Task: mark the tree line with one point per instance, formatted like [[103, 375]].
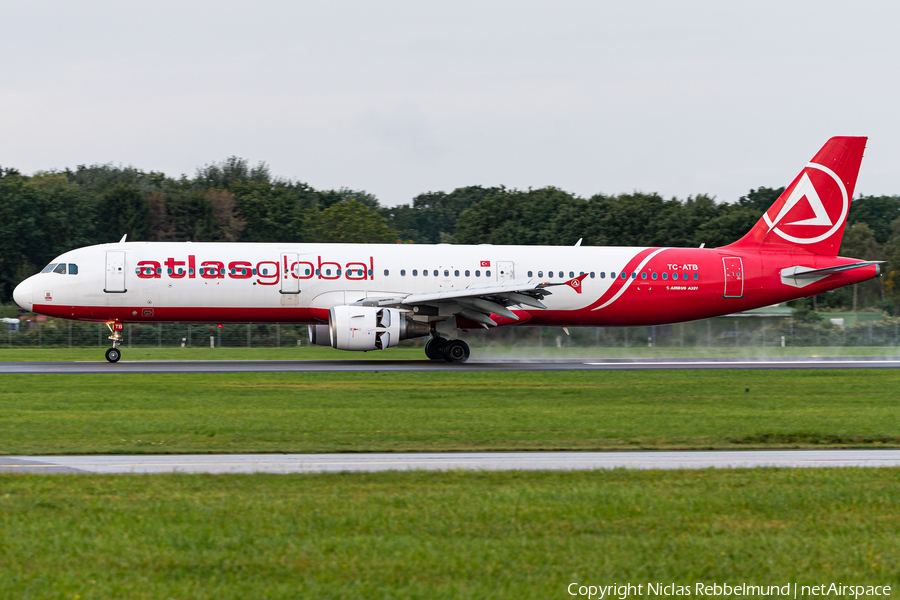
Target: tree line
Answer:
[[50, 212]]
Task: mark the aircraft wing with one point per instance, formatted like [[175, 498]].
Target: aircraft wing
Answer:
[[479, 300]]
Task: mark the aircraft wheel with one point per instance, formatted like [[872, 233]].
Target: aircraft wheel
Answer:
[[456, 351], [113, 355], [434, 348]]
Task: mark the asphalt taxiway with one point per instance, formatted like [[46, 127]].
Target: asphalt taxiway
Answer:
[[486, 461], [407, 366]]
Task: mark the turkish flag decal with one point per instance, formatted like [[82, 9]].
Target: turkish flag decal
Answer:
[[485, 263]]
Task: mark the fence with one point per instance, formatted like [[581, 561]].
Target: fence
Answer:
[[719, 332], [59, 333]]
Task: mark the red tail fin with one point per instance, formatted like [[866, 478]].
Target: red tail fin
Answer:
[[811, 213]]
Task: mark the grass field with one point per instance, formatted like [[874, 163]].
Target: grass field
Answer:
[[442, 535], [406, 353], [454, 411]]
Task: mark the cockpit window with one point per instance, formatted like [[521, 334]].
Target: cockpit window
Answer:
[[49, 268], [73, 269], [60, 268]]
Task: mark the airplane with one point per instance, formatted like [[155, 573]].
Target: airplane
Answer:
[[364, 297]]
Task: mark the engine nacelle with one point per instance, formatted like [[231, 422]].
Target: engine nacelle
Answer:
[[370, 327], [319, 335]]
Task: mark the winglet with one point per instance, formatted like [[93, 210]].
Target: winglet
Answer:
[[575, 284], [122, 241]]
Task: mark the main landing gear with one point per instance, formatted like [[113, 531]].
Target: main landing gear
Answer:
[[114, 354], [452, 351]]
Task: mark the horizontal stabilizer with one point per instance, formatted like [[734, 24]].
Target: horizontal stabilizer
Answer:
[[805, 273]]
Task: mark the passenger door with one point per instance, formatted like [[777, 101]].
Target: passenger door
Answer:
[[734, 277], [290, 273], [115, 272]]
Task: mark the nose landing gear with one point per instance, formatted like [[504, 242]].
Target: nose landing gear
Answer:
[[114, 354]]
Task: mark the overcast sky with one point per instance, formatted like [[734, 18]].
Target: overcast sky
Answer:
[[399, 98]]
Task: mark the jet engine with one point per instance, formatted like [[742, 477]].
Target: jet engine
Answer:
[[366, 328], [318, 335]]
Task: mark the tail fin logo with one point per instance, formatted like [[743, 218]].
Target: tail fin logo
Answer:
[[575, 284], [816, 182]]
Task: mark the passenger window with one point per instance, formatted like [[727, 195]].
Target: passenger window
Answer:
[[468, 273], [540, 273], [190, 271], [318, 272], [338, 273], [612, 274], [665, 275], [169, 271], [477, 273], [307, 272], [424, 272], [643, 276], [602, 274], [370, 272], [696, 276], [592, 274], [402, 272], [435, 272], [60, 268], [446, 273], [456, 273], [633, 275], [159, 270], [571, 274], [49, 268], [386, 272], [624, 275], [487, 273], [327, 271], [654, 275], [529, 273], [685, 276], [415, 272], [73, 269]]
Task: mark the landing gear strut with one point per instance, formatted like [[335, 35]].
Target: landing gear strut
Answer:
[[452, 351], [114, 354]]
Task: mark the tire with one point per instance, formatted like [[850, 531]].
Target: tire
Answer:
[[113, 355], [456, 351], [434, 348]]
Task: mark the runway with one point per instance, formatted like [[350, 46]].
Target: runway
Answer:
[[475, 461], [408, 366]]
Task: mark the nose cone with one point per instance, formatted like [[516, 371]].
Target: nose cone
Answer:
[[23, 294]]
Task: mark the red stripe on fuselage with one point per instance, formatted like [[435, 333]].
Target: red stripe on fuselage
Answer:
[[185, 314], [630, 267]]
